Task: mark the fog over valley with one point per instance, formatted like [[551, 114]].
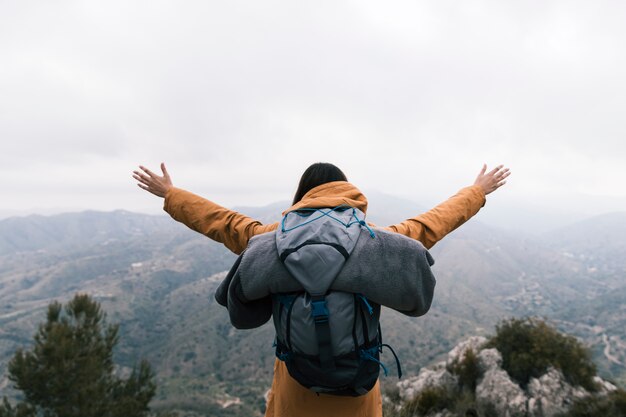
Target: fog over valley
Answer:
[[157, 279]]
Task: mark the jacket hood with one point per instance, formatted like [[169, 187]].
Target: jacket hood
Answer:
[[332, 194]]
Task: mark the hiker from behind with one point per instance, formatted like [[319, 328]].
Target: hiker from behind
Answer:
[[304, 273]]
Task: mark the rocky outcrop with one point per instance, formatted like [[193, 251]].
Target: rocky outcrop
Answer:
[[489, 359], [457, 354], [604, 387], [545, 396], [551, 394], [497, 389], [437, 376]]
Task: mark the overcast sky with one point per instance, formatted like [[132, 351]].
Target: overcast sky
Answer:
[[238, 98]]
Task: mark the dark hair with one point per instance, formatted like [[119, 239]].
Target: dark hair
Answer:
[[317, 174]]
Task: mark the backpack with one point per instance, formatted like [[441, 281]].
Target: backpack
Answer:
[[329, 340]]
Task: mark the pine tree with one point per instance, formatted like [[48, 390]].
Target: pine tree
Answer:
[[69, 372]]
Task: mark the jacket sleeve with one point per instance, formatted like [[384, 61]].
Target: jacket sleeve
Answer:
[[430, 227], [223, 225], [243, 313]]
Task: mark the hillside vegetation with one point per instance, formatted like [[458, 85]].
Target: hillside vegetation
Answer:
[[157, 279], [527, 368], [529, 347]]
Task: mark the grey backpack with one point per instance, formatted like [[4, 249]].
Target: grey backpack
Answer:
[[329, 340]]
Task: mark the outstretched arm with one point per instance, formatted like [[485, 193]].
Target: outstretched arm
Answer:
[[223, 225], [430, 227]]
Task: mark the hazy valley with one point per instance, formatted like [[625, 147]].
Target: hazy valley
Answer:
[[157, 279]]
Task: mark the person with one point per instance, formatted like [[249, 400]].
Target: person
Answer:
[[322, 185]]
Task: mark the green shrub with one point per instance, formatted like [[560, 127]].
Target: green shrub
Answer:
[[467, 370], [612, 405], [433, 400], [467, 406], [428, 401], [529, 346]]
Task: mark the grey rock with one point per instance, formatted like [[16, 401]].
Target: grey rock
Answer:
[[604, 387], [458, 353], [427, 378], [497, 389], [438, 366], [489, 359], [551, 394]]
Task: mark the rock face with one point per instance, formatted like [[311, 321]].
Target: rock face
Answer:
[[497, 389], [457, 354], [489, 359], [437, 376], [605, 387], [551, 394], [545, 396]]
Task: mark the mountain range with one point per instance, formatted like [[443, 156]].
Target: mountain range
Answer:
[[157, 278]]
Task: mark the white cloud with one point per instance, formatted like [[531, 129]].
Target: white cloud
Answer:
[[239, 97]]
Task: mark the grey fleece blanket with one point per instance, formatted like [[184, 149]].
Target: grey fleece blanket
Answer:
[[391, 270]]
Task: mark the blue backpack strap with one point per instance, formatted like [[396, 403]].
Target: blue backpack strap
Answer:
[[366, 303], [393, 352], [319, 311], [399, 368], [285, 299]]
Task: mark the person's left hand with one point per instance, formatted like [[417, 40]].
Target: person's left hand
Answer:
[[153, 183], [493, 179]]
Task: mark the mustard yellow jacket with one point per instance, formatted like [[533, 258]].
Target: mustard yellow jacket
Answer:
[[287, 398]]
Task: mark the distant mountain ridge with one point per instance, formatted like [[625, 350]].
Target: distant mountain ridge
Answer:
[[34, 232], [600, 241], [157, 279]]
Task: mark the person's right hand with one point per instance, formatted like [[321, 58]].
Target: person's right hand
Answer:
[[153, 183]]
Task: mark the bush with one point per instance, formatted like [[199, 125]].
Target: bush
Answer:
[[428, 401], [467, 406], [467, 370], [437, 399], [612, 405], [530, 346]]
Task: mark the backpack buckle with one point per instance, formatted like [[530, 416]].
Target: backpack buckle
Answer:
[[319, 310]]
